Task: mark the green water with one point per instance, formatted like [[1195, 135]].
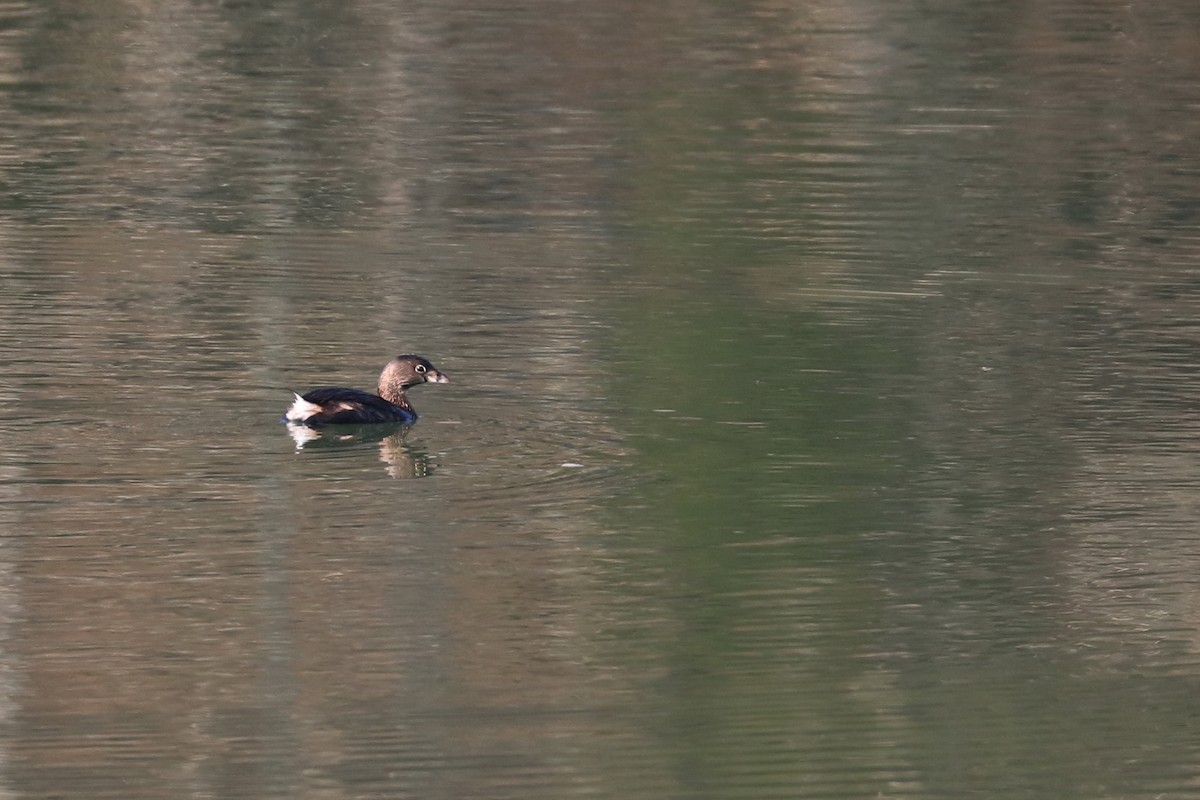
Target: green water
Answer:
[[821, 423]]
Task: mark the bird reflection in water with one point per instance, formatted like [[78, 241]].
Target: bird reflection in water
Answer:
[[402, 460]]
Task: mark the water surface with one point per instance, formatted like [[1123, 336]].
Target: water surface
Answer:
[[822, 419]]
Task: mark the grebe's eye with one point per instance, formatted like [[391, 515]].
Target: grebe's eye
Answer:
[[421, 369]]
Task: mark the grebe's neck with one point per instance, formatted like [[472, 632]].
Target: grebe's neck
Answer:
[[394, 394]]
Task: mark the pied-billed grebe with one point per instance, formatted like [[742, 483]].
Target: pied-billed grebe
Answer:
[[336, 406]]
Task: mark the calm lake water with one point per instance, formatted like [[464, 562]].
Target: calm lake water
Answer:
[[823, 419]]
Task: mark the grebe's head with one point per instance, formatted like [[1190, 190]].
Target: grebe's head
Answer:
[[410, 370]]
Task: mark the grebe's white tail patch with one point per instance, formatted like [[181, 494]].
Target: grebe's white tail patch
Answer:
[[301, 409]]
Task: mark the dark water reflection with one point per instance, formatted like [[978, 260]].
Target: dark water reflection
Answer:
[[823, 420]]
